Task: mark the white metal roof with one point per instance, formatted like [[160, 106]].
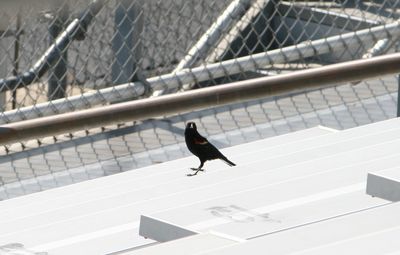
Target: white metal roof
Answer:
[[309, 183]]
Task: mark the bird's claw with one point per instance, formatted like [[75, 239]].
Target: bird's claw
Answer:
[[196, 169]]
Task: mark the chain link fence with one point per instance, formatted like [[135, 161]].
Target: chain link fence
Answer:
[[61, 56]]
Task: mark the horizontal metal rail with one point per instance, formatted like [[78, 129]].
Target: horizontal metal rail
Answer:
[[284, 55], [186, 76], [202, 98]]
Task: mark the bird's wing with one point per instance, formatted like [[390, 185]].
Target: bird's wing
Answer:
[[208, 149], [205, 149], [200, 140]]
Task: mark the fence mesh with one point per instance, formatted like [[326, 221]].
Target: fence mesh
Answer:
[[60, 56]]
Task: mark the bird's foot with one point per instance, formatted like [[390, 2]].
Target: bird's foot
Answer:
[[195, 173], [197, 169]]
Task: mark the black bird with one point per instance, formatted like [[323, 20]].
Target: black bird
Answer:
[[201, 148]]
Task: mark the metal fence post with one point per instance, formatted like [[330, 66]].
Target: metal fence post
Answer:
[[16, 57], [58, 72], [126, 43], [3, 100], [398, 96]]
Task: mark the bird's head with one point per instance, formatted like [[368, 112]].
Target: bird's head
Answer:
[[191, 125]]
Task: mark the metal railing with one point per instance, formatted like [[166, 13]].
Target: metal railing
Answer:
[[165, 47], [173, 80], [294, 82]]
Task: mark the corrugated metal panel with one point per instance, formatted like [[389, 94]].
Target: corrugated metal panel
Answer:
[[303, 181], [189, 245], [328, 235]]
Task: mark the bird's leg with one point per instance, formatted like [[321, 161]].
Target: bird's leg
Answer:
[[197, 169], [195, 172]]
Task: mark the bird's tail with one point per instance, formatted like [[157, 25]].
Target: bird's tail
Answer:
[[230, 163]]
